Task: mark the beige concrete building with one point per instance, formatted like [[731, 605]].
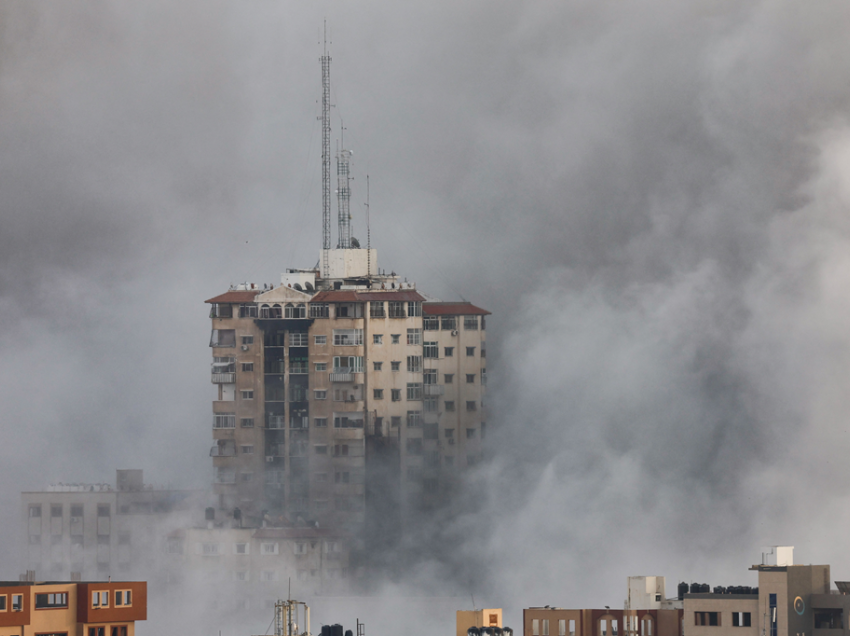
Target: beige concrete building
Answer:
[[331, 393], [93, 531], [790, 600]]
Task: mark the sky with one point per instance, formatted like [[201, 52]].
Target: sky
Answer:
[[651, 198]]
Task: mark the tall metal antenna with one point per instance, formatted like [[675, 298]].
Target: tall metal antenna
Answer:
[[326, 154], [368, 234], [343, 196]]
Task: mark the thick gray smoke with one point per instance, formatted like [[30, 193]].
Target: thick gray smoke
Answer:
[[651, 198]]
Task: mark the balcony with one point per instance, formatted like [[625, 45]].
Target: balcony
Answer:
[[434, 389], [225, 448], [342, 374], [298, 369], [223, 378], [276, 421], [299, 422]]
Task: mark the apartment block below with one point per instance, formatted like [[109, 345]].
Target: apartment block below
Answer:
[[789, 600]]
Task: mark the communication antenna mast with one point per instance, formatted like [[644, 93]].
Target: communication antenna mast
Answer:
[[343, 196], [326, 154], [368, 234]]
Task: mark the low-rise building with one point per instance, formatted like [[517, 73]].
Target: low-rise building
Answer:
[[83, 609]]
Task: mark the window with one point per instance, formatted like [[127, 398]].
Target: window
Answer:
[[471, 406], [376, 309], [545, 627], [431, 323], [429, 405], [414, 336], [431, 350], [240, 575], [395, 365], [562, 627], [247, 366], [247, 395], [321, 366], [321, 449], [76, 511], [449, 433], [247, 449], [535, 627], [711, 619], [448, 378], [320, 394], [414, 309], [395, 421], [348, 364], [378, 394], [377, 366], [320, 422], [448, 351], [320, 340], [741, 619], [298, 339], [378, 338], [223, 338], [470, 323], [348, 337], [247, 311], [209, 549], [414, 364], [349, 310], [396, 309], [291, 310], [348, 420], [241, 548], [448, 323], [414, 419], [56, 510], [342, 477], [414, 390], [224, 420], [17, 602], [470, 378], [341, 450], [484, 380], [247, 340], [103, 510], [395, 395], [470, 433], [269, 575], [396, 338], [268, 548], [319, 310], [221, 310], [449, 405], [429, 376], [246, 422], [470, 352], [45, 601]]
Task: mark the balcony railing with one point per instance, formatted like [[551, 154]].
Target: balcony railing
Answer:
[[298, 369], [338, 375], [223, 378], [223, 451], [276, 421], [434, 389], [300, 422]]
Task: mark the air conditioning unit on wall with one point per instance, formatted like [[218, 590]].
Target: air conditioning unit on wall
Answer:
[[245, 347]]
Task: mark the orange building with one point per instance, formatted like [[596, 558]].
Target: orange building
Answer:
[[71, 609]]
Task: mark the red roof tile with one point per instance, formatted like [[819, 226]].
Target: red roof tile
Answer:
[[453, 309], [352, 296], [235, 297]]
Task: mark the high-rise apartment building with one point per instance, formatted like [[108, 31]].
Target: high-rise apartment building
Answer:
[[334, 389]]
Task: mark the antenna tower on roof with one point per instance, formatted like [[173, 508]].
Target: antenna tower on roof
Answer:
[[343, 194], [326, 154]]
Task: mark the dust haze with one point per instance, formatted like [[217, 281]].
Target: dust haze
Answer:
[[651, 198]]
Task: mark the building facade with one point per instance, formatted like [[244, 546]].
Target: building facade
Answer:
[[76, 609], [94, 531], [334, 392]]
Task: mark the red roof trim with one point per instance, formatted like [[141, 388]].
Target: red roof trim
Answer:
[[453, 309], [351, 296], [235, 297]]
